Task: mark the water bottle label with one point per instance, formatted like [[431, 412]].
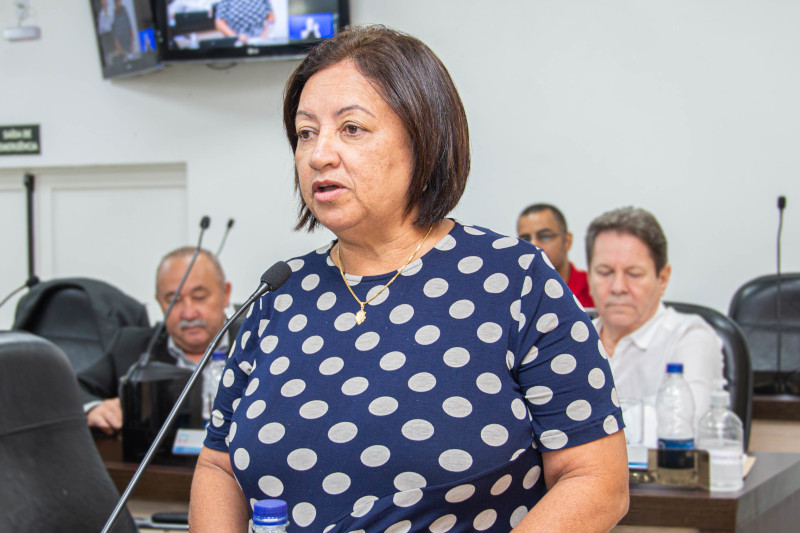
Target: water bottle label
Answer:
[[676, 444], [725, 457]]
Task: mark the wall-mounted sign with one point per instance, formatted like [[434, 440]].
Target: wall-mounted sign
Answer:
[[20, 140]]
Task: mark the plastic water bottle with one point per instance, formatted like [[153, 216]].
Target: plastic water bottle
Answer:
[[675, 411], [211, 378], [721, 433], [269, 516]]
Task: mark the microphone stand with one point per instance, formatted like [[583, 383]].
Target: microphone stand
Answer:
[[225, 236], [29, 181], [145, 357], [271, 280], [782, 383]]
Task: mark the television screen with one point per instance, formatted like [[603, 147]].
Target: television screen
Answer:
[[232, 30], [126, 36]]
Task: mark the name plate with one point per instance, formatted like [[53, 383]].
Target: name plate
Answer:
[[188, 441]]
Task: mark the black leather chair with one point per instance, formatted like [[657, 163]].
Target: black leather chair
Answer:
[[738, 370], [81, 316], [51, 476], [754, 308]]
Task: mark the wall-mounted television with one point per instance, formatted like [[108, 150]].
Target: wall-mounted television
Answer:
[[126, 36], [236, 30]]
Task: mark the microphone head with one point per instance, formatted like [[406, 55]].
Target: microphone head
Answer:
[[230, 223], [205, 222], [781, 202], [33, 280], [276, 275]]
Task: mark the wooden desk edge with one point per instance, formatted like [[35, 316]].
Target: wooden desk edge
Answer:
[[158, 482], [774, 478], [782, 407]]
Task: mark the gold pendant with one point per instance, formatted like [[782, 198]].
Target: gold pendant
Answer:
[[360, 317]]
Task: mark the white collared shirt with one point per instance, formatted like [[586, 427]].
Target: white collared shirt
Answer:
[[181, 361], [640, 360]]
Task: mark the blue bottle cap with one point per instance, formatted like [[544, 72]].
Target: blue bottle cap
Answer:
[[674, 368], [270, 513], [219, 355]]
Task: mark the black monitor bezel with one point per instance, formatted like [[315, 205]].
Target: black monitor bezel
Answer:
[[147, 62]]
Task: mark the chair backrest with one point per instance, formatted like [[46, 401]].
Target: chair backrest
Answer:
[[754, 308], [738, 370], [79, 315], [53, 476]]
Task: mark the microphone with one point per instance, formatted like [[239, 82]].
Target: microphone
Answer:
[[29, 181], [33, 280], [147, 355], [271, 280], [781, 381], [225, 236]]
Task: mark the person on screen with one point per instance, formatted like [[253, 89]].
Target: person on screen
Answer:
[[246, 19], [545, 226], [105, 18], [105, 23], [628, 274], [122, 30], [417, 373], [311, 30], [196, 317]]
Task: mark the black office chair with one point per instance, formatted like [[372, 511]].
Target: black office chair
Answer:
[[79, 315], [738, 370], [53, 478], [754, 308]]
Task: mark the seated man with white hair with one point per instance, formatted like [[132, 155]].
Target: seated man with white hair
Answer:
[[626, 250]]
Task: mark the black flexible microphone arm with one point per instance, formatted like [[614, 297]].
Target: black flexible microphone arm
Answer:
[[271, 280], [225, 236], [147, 355], [33, 280], [781, 385], [29, 181]]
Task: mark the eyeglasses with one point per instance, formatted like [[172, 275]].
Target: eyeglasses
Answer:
[[541, 236]]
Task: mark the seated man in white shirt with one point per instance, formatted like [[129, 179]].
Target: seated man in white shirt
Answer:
[[628, 273]]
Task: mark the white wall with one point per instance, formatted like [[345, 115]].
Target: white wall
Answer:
[[687, 108], [110, 223]]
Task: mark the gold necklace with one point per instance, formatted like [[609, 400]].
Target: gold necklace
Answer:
[[361, 315]]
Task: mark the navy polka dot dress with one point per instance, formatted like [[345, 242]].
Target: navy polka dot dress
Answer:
[[244, 16], [429, 416]]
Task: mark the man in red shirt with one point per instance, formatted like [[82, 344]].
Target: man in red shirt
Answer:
[[544, 225]]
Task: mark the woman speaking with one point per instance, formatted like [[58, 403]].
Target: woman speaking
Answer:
[[418, 373]]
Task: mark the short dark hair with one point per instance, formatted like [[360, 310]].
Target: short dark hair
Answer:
[[187, 252], [417, 87], [536, 208], [632, 221]]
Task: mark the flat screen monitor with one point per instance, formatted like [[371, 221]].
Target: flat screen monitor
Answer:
[[126, 37], [234, 30]]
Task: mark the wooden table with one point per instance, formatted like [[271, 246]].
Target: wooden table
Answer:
[[769, 501], [783, 407], [158, 482], [776, 424]]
